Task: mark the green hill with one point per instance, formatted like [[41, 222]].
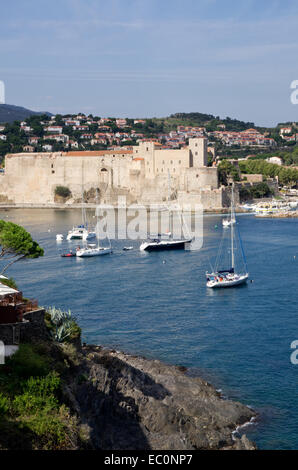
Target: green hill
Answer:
[[10, 113]]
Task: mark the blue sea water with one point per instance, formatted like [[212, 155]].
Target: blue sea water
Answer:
[[158, 305]]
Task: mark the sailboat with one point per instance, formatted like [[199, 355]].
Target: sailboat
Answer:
[[92, 249], [228, 222], [228, 276], [166, 241], [81, 232]]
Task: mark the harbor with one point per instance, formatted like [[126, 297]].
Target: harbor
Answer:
[[234, 338]]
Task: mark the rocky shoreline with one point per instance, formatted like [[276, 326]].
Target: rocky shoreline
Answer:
[[126, 402]]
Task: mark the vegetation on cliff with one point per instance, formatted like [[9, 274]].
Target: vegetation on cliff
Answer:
[[33, 409], [63, 325], [33, 414]]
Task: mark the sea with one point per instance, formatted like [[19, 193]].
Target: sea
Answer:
[[157, 305]]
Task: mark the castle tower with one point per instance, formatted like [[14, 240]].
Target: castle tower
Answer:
[[199, 153], [146, 150], [2, 92]]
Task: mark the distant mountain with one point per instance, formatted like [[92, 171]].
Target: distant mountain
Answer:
[[11, 113]]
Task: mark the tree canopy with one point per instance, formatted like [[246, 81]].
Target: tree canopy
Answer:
[[285, 175], [15, 244], [225, 170]]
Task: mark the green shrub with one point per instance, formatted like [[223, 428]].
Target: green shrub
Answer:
[[51, 428], [260, 190], [256, 191], [4, 405], [38, 394], [244, 194], [66, 327], [26, 362], [62, 191], [32, 415], [9, 282]]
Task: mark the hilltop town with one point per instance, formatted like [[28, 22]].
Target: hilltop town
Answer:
[[80, 132]]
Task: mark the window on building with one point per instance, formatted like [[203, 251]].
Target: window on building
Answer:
[[147, 149], [53, 171], [179, 162], [196, 153]]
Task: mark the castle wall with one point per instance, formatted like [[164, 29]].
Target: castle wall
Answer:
[[207, 198], [198, 178], [141, 175], [32, 178], [172, 161]]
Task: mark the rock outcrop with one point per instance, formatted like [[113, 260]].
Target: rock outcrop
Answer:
[[128, 402]]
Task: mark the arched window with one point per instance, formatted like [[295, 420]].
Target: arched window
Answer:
[[104, 175]]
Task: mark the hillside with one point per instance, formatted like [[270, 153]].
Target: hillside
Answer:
[[209, 121], [10, 113]]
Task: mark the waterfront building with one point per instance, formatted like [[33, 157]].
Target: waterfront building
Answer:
[[141, 173]]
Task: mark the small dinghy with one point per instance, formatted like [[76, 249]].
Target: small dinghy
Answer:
[[59, 237], [68, 255], [128, 248]]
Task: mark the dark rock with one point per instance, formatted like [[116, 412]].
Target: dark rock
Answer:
[[129, 402]]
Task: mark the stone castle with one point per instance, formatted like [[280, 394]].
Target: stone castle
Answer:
[[146, 174]]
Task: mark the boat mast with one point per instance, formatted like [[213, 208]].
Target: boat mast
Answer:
[[232, 226], [96, 211], [168, 199], [83, 202]]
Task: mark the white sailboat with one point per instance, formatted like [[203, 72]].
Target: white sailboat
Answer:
[[228, 276], [228, 222], [81, 232], [94, 250], [166, 241]]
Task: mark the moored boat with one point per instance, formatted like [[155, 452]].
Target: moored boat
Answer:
[[229, 277], [160, 245], [90, 251]]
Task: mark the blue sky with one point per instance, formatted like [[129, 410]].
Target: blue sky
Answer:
[[144, 58]]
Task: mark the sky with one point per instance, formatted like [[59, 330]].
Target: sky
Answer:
[[152, 58]]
